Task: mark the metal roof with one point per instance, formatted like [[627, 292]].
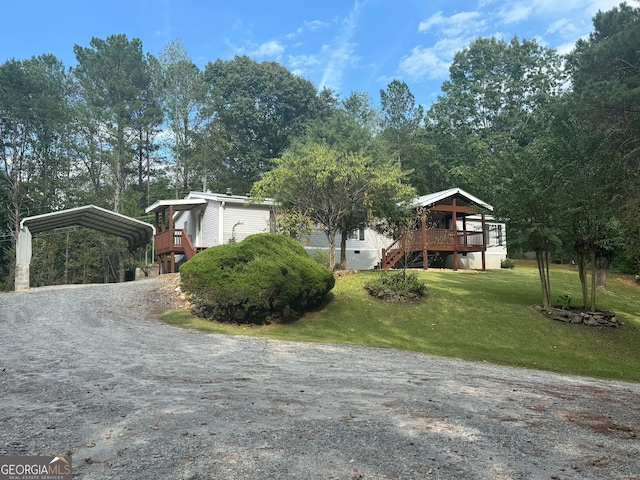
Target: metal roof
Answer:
[[178, 205], [430, 199], [135, 231], [195, 199], [227, 197]]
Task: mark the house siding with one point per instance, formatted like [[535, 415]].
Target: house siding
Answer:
[[361, 254], [241, 221], [210, 224], [496, 246]]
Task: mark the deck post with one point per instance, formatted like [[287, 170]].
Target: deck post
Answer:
[[464, 229], [455, 233], [425, 252], [484, 243]]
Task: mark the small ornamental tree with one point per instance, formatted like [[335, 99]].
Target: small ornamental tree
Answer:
[[261, 279], [336, 190]]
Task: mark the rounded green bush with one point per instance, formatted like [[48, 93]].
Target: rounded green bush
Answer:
[[265, 277]]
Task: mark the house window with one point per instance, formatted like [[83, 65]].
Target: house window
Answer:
[[357, 234], [495, 235]]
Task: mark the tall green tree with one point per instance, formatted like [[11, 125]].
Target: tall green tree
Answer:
[[347, 132], [493, 103], [605, 76], [260, 108], [181, 89], [529, 189], [400, 118], [114, 75], [34, 113], [589, 197]]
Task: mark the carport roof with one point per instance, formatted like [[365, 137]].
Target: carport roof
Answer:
[[136, 232]]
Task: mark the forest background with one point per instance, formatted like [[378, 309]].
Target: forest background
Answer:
[[551, 141]]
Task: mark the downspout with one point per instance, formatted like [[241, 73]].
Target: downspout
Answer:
[[221, 222]]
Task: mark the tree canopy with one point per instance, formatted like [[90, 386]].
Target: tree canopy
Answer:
[[333, 188], [516, 124]]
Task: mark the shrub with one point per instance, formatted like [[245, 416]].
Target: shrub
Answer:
[[507, 263], [398, 286], [263, 278]]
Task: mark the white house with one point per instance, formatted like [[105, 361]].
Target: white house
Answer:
[[453, 233], [205, 219]]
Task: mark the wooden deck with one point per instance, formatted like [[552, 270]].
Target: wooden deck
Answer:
[[433, 240], [170, 243], [174, 241]]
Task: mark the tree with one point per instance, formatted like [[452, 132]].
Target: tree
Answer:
[[114, 75], [347, 132], [260, 108], [605, 74], [358, 106], [330, 186], [528, 191], [34, 114], [589, 198], [400, 117], [494, 102], [181, 89]]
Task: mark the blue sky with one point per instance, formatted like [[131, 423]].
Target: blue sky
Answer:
[[346, 45]]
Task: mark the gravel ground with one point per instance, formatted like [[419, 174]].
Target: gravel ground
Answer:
[[88, 371]]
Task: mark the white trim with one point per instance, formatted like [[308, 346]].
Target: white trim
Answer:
[[221, 222], [178, 205], [432, 198]]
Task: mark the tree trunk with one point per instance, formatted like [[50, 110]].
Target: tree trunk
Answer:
[[601, 272], [592, 306], [343, 249], [582, 274], [331, 236], [542, 259]]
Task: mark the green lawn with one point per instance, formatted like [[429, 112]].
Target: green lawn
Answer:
[[482, 316]]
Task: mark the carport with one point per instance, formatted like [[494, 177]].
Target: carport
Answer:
[[136, 232]]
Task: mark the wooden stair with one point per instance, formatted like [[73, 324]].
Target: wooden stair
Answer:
[[391, 255]]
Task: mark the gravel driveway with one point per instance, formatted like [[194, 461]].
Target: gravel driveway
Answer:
[[88, 371]]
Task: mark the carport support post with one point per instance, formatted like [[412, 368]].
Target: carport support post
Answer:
[[23, 259]]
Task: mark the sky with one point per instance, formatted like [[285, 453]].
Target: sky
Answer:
[[346, 45]]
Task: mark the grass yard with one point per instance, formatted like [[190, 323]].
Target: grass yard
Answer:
[[482, 316]]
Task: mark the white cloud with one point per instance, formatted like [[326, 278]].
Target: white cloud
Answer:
[[561, 25], [455, 32], [432, 62], [515, 13], [271, 48], [315, 25], [341, 52], [455, 25], [424, 62], [302, 61], [565, 48], [434, 20]]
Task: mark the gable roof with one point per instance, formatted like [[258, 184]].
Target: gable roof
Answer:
[[433, 198], [135, 231]]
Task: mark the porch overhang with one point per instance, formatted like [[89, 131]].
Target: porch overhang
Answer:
[[177, 204]]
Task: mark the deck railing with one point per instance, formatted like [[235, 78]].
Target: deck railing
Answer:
[[176, 241], [433, 239]]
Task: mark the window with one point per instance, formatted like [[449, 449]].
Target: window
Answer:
[[357, 234], [495, 235]]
